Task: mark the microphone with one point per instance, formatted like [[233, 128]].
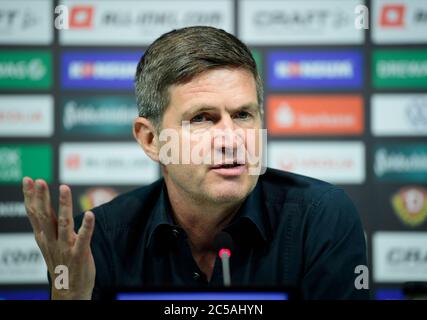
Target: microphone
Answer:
[[223, 244]]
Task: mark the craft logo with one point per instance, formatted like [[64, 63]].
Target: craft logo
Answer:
[[332, 114], [26, 22], [12, 19], [302, 69], [410, 205], [299, 22], [407, 256], [399, 256]]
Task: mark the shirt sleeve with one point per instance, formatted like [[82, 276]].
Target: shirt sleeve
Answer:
[[334, 246]]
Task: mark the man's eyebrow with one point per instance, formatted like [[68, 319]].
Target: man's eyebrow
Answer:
[[204, 107], [197, 109], [249, 106]]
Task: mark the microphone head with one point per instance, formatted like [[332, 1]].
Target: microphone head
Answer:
[[223, 240]]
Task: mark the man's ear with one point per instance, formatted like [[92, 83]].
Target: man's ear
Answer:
[[146, 135]]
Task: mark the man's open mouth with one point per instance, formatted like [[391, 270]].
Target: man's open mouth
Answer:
[[227, 166]]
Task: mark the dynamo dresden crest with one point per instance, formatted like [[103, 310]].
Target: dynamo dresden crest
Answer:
[[410, 205]]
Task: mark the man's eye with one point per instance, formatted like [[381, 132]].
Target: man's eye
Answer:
[[243, 115], [198, 118]]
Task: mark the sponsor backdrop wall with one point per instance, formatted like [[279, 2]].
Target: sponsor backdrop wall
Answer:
[[342, 104]]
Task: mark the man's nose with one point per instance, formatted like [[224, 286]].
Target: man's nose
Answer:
[[225, 135], [226, 123]]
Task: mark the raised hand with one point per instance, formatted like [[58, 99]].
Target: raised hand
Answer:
[[57, 240]]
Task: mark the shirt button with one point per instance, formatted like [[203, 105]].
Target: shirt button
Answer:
[[196, 276], [175, 233]]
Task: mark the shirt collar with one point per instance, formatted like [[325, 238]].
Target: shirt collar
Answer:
[[161, 217], [252, 211]]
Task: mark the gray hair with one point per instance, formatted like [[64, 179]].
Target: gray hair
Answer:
[[178, 56]]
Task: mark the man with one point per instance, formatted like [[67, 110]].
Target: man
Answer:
[[288, 230]]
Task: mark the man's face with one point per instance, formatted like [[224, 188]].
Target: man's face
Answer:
[[220, 113]]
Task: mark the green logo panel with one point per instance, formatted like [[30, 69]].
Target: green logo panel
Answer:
[[99, 115], [401, 162], [399, 69], [25, 70], [17, 161]]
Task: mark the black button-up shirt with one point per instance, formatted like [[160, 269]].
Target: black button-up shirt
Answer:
[[291, 231]]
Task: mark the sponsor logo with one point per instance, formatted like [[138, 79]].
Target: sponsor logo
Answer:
[[399, 114], [26, 22], [335, 162], [139, 23], [94, 197], [99, 115], [29, 115], [293, 70], [400, 22], [105, 163], [17, 161], [25, 70], [81, 17], [295, 22], [330, 114], [12, 209], [400, 256], [392, 15], [21, 260], [112, 70], [410, 205], [401, 162], [400, 69]]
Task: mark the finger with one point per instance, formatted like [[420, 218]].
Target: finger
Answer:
[[65, 215], [43, 209], [85, 232], [29, 194]]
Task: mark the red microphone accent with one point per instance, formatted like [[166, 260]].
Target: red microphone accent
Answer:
[[224, 251]]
